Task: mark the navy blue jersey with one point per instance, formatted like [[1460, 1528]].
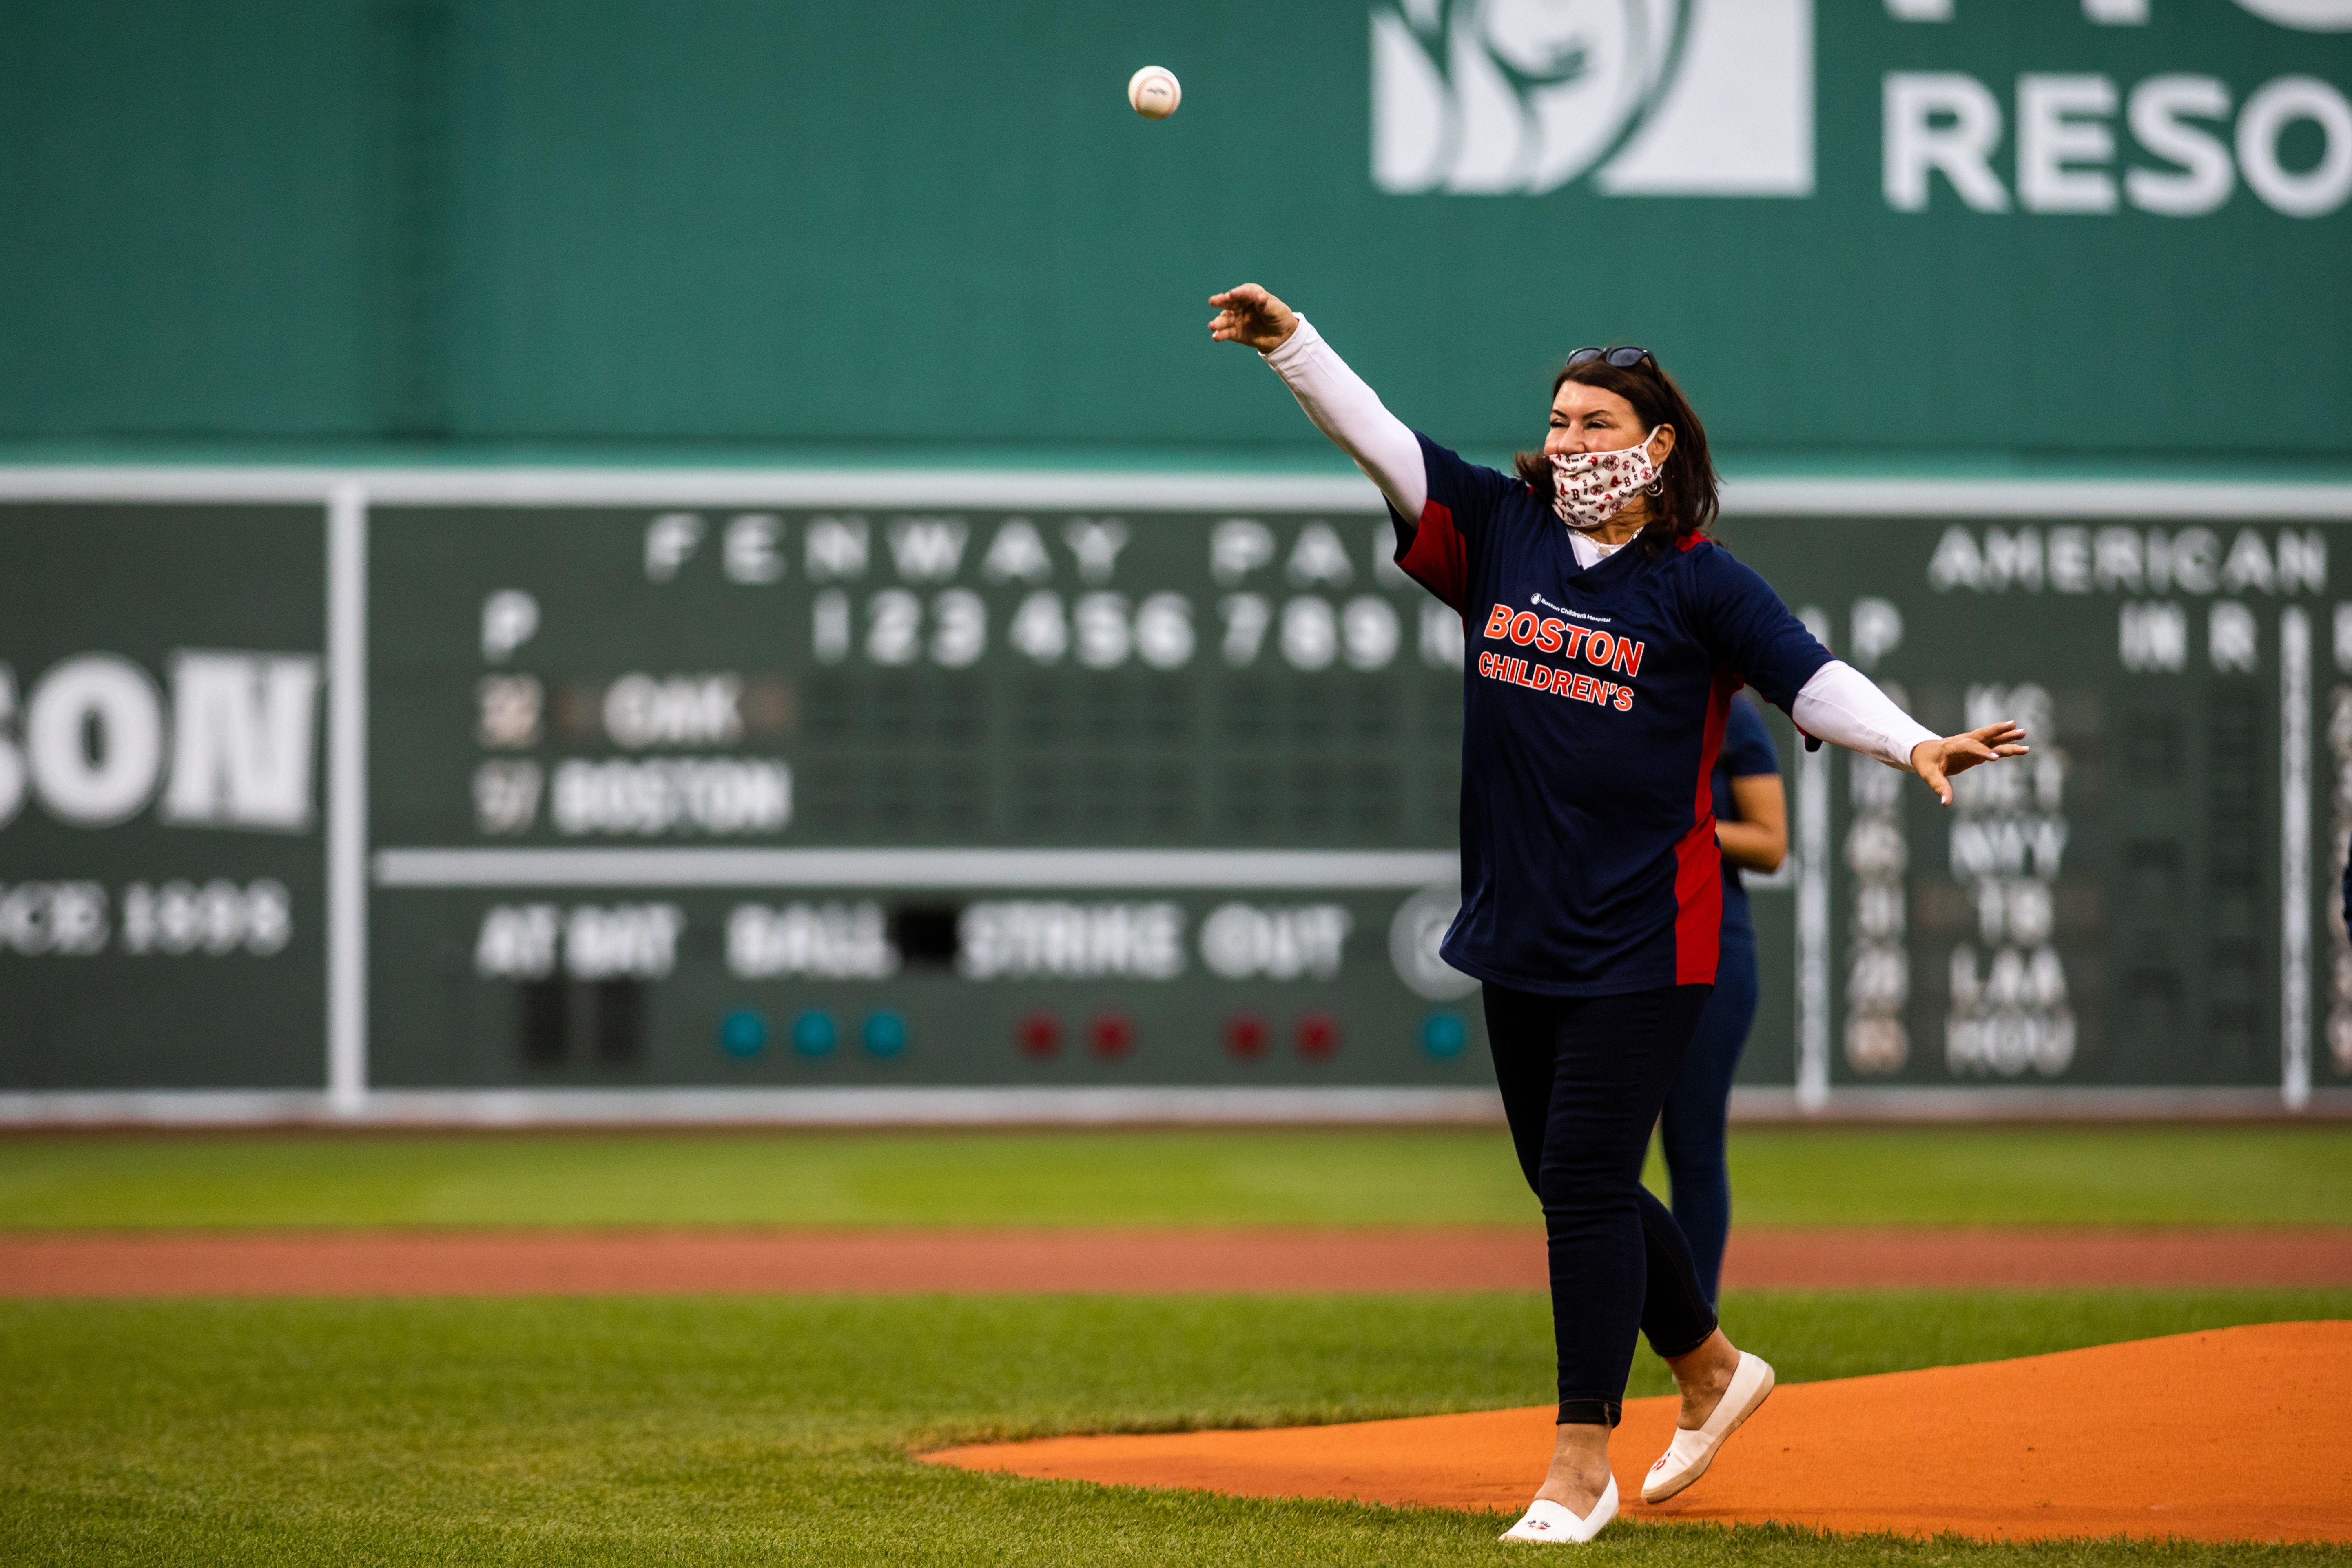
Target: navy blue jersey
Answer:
[[1594, 703], [1748, 752]]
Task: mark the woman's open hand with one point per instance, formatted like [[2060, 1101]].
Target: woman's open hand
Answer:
[[1250, 315], [1937, 761]]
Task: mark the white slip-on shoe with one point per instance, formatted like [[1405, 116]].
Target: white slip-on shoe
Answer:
[[1548, 1521], [1688, 1455]]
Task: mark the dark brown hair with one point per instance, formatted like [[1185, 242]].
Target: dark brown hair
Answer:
[[1687, 499]]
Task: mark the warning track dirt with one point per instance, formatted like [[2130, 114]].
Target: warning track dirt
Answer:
[[1156, 1260]]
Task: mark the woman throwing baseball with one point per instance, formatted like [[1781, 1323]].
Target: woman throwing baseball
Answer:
[[1607, 634]]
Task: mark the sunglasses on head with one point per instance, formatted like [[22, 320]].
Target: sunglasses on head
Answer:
[[1623, 359]]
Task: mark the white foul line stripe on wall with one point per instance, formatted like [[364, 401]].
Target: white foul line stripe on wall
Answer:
[[1789, 496], [957, 869], [1141, 489], [902, 1106], [808, 1105]]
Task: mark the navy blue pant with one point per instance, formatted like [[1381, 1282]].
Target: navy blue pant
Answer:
[[1584, 1079], [1696, 1108]]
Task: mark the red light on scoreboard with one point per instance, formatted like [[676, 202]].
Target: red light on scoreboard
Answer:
[[1317, 1037], [1248, 1037], [1039, 1035], [1111, 1036]]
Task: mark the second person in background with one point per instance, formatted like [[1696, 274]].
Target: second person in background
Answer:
[[1751, 824]]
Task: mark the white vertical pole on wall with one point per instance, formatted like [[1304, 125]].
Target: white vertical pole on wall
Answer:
[[1813, 929], [1813, 910], [347, 800], [2294, 858]]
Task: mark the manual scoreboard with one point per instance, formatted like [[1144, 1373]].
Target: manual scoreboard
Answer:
[[863, 795], [734, 783]]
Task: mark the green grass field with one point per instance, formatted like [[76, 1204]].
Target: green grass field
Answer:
[[739, 1431], [763, 1430], [2256, 1175]]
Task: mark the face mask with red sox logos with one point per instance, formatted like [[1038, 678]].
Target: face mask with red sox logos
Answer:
[[1591, 488]]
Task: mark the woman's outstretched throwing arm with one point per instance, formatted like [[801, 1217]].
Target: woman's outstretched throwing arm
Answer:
[[1334, 396]]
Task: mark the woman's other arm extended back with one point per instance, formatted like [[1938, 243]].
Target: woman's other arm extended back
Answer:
[[1757, 635]]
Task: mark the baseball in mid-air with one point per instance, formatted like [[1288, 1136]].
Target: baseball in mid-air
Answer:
[[1154, 92]]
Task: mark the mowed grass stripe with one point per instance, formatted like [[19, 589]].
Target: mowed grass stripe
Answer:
[[2248, 1174], [727, 1431]]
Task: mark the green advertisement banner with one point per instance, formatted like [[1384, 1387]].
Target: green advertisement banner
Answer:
[[162, 890], [1891, 231]]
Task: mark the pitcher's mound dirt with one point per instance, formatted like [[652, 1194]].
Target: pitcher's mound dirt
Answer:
[[2232, 1435]]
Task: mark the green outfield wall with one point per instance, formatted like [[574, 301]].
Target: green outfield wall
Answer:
[[2079, 230], [688, 555]]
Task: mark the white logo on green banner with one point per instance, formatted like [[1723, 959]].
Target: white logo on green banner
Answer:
[[1652, 97], [1715, 97]]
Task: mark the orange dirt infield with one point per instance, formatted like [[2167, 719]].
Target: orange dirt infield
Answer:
[[412, 1263], [2231, 1435]]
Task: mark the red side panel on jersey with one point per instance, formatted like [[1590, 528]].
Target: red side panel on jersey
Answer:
[[1436, 559], [1698, 861], [1698, 899]]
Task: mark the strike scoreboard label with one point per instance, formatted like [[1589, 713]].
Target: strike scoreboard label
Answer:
[[710, 795]]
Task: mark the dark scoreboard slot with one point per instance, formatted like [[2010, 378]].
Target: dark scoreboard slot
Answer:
[[926, 935], [569, 1023]]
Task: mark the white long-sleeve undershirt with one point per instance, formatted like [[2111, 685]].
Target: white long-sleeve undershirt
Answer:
[[1353, 415], [1844, 706], [1840, 703]]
